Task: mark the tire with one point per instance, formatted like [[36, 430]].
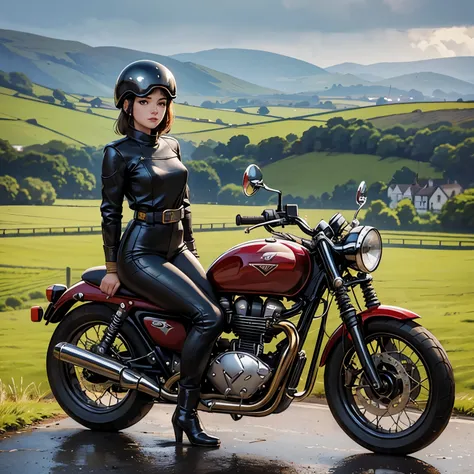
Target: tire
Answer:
[[440, 400], [133, 407]]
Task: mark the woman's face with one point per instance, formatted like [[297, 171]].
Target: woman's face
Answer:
[[148, 112]]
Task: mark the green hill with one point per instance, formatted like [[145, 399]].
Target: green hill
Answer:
[[269, 69], [427, 82], [28, 120], [459, 117], [318, 172], [461, 67], [77, 67]]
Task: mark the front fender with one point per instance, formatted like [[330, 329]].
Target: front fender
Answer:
[[383, 311]]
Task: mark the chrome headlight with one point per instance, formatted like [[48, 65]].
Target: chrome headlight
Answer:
[[363, 248]]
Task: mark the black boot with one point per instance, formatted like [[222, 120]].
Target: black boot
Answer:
[[185, 418]]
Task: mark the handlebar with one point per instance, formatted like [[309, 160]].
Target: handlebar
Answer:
[[249, 220]]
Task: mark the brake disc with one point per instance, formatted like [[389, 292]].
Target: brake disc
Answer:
[[389, 406]]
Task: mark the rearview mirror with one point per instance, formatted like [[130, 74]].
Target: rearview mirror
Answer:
[[252, 181], [361, 195]]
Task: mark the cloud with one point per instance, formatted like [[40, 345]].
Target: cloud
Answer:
[[458, 41]]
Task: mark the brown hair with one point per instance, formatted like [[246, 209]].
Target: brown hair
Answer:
[[125, 120]]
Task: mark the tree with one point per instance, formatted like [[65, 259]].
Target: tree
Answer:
[[360, 138], [442, 156], [389, 146], [379, 215], [291, 137], [461, 167], [204, 183], [79, 183], [58, 94], [406, 212], [403, 176], [335, 121], [271, 149], [340, 138], [203, 152], [230, 194], [221, 150], [422, 147], [343, 195], [41, 192], [226, 170], [377, 191], [8, 189], [236, 145], [458, 212], [381, 101], [78, 157], [373, 142], [21, 83], [263, 110]]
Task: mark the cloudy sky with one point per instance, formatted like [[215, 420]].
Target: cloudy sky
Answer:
[[324, 32]]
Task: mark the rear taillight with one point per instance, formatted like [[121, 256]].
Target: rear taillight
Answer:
[[54, 292], [36, 314]]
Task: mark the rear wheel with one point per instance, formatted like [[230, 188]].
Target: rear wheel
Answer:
[[90, 399], [416, 409]]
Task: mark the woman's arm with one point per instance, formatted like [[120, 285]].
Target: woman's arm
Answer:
[[113, 179], [187, 219]]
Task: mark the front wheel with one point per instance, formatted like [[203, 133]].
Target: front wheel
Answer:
[[416, 408], [91, 399]]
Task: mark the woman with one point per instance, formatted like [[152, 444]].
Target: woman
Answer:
[[156, 257]]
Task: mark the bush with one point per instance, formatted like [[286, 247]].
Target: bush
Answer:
[[47, 98], [36, 295], [13, 302]]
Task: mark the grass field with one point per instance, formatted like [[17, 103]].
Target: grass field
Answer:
[[78, 127], [436, 284], [456, 117], [288, 112], [318, 172], [374, 111]]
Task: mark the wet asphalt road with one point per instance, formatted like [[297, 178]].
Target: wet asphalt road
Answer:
[[304, 439]]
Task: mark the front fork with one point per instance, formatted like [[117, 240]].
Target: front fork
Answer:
[[349, 315]]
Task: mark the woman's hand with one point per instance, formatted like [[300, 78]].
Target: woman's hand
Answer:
[[110, 284]]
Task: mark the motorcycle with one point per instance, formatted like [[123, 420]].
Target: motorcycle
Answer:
[[388, 381]]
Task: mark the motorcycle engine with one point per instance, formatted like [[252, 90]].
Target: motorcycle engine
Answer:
[[240, 372]]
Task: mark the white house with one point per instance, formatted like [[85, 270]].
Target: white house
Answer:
[[430, 198], [397, 192]]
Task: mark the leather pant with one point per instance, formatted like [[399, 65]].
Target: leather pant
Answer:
[[171, 277]]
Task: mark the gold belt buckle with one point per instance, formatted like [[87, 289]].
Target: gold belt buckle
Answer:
[[164, 220], [141, 215]]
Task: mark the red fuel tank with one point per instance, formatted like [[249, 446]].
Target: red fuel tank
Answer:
[[263, 266]]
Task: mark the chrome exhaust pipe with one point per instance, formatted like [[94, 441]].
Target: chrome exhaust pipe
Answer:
[[113, 370]]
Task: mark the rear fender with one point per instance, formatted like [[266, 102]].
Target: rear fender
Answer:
[[381, 311], [86, 292]]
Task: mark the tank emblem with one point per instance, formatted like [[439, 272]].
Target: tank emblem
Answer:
[[267, 256], [163, 326], [264, 268]]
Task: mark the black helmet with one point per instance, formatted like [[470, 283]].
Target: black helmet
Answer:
[[140, 77]]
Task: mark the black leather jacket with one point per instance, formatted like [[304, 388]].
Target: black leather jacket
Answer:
[[128, 170]]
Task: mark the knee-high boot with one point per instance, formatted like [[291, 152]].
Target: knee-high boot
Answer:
[[185, 418]]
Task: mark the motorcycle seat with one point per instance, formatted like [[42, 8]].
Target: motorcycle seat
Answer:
[[94, 276]]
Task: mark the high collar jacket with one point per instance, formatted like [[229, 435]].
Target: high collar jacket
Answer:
[[149, 173]]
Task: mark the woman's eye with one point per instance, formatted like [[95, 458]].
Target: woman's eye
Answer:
[[143, 102]]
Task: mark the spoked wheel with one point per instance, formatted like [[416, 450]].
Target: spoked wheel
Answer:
[[95, 391], [416, 403], [89, 398]]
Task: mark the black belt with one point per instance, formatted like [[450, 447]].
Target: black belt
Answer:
[[168, 216]]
